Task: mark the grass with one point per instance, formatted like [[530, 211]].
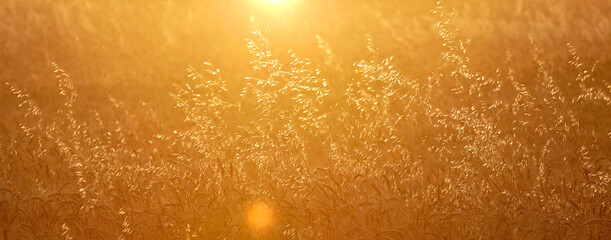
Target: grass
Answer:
[[387, 120]]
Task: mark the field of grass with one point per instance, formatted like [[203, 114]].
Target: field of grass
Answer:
[[305, 119]]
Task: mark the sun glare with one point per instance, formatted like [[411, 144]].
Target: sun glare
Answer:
[[274, 1], [259, 216]]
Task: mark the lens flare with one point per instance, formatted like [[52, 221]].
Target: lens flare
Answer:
[[259, 216]]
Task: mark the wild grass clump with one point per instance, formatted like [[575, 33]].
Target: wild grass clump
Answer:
[[322, 150]]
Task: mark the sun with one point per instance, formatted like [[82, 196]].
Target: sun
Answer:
[[274, 1], [259, 216]]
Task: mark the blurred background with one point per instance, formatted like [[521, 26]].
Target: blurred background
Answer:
[[135, 50]]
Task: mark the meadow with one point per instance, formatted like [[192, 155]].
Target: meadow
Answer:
[[305, 119]]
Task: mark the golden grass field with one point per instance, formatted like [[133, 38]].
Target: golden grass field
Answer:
[[305, 119]]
